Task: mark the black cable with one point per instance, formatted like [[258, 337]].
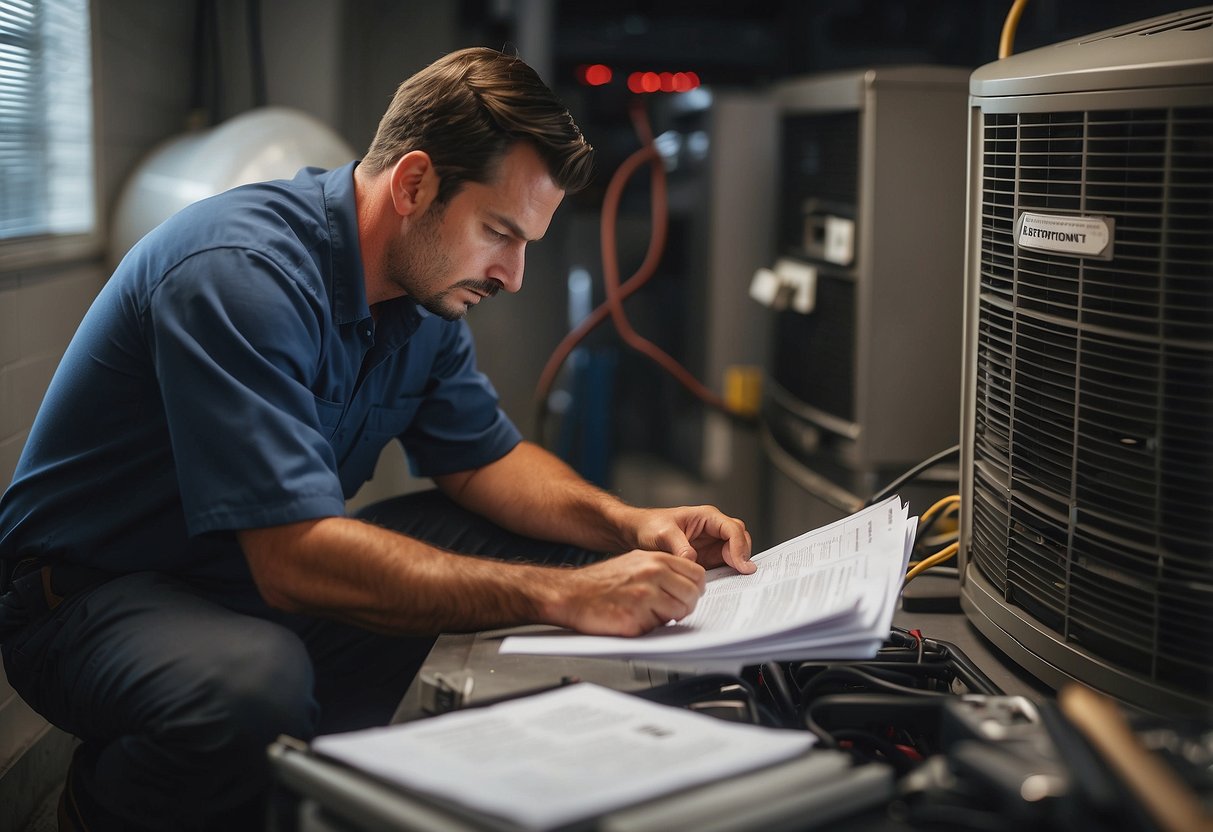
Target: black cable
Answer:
[[969, 673], [872, 712], [926, 464], [216, 62], [902, 637], [777, 684], [909, 677], [197, 87], [920, 534], [256, 53], [889, 752], [844, 673], [962, 667], [904, 665], [205, 93], [824, 737], [902, 654]]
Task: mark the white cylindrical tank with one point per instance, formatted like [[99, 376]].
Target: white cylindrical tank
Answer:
[[261, 144]]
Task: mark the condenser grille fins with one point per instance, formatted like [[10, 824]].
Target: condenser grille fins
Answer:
[[1093, 432], [1190, 21]]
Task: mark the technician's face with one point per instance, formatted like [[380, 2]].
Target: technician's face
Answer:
[[455, 254]]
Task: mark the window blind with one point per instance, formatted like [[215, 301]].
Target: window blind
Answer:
[[46, 120]]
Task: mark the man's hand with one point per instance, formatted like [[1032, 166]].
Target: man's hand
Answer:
[[557, 504], [627, 595], [698, 533]]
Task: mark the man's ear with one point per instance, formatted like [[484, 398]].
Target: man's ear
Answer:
[[414, 183]]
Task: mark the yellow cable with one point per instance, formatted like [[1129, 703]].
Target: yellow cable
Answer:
[[944, 504], [944, 554], [939, 506], [934, 560], [1006, 43]]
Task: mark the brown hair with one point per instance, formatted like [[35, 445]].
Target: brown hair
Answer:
[[467, 109]]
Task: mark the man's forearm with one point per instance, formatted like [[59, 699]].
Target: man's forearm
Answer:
[[346, 569], [376, 578]]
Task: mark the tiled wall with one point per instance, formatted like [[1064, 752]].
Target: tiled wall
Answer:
[[37, 319]]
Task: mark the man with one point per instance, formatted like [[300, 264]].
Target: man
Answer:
[[181, 583]]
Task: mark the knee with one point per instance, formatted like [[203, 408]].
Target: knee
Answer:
[[260, 687]]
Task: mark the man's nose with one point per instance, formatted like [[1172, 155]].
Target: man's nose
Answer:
[[508, 269]]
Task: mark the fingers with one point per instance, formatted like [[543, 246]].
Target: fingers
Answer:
[[672, 539], [674, 586], [634, 593], [711, 529], [738, 548], [689, 572]]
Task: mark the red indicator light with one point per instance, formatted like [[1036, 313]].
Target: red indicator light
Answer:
[[594, 75], [644, 82]]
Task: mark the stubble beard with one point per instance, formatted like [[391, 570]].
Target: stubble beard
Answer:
[[418, 264]]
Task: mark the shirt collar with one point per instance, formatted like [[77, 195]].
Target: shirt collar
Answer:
[[348, 275], [348, 278]]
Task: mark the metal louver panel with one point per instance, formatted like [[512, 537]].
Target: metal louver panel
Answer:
[[1092, 497], [1190, 21]]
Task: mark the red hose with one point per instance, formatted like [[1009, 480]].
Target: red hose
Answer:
[[617, 293]]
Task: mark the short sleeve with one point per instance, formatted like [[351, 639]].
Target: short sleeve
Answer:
[[234, 339]]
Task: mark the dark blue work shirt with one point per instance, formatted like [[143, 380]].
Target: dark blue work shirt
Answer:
[[230, 376]]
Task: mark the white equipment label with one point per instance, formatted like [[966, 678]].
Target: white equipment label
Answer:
[[1078, 236]]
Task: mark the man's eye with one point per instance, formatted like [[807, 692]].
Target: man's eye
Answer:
[[494, 233]]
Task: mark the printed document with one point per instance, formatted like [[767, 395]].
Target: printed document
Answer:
[[829, 593], [547, 760]]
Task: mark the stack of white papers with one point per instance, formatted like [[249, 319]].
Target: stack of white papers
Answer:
[[827, 594], [547, 760]]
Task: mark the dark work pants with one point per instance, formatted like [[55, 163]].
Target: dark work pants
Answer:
[[176, 695]]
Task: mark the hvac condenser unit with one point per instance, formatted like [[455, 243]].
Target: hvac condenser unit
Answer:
[[1087, 431]]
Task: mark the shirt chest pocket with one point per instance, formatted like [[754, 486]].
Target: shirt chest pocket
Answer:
[[361, 447], [328, 414]]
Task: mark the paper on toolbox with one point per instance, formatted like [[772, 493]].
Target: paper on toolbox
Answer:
[[830, 592], [547, 760]]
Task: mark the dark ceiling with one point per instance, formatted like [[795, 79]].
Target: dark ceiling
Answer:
[[755, 42]]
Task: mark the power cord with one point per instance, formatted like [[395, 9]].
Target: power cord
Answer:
[[928, 463]]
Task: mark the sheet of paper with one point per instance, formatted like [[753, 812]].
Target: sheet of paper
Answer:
[[550, 759], [868, 628], [805, 644], [836, 584]]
